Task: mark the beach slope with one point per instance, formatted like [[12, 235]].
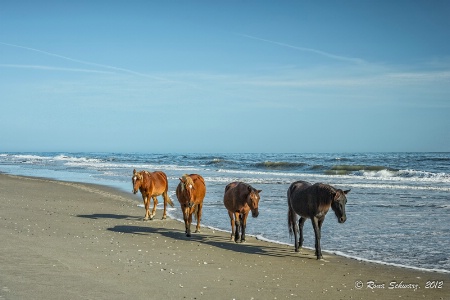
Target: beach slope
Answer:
[[62, 240]]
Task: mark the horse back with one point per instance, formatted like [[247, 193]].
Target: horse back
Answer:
[[302, 198], [199, 187], [155, 183], [298, 186], [235, 195]]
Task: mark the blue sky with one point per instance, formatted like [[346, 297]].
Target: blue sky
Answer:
[[225, 76]]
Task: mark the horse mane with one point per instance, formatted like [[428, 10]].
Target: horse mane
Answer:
[[327, 191], [187, 180], [143, 172], [249, 187]]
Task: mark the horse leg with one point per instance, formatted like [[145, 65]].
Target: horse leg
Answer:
[[237, 222], [155, 202], [315, 223], [243, 226], [199, 216], [165, 206], [146, 205], [320, 234], [230, 214], [189, 210], [187, 223], [301, 222]]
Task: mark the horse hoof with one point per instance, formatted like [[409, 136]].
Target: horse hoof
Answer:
[[242, 241], [197, 231], [163, 218], [188, 234]]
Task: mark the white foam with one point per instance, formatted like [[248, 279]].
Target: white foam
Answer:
[[339, 253], [386, 263], [29, 157]]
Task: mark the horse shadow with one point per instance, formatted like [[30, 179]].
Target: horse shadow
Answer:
[[218, 241], [222, 242], [109, 216]]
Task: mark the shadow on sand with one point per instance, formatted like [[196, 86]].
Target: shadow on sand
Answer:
[[109, 216], [219, 241]]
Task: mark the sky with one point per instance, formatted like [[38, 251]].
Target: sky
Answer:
[[225, 76]]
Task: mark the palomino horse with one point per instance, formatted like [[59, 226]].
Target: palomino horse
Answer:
[[151, 185], [312, 201], [190, 193], [239, 199]]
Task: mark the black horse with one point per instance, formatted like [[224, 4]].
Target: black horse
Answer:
[[312, 201]]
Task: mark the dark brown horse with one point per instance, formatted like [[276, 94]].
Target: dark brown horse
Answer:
[[312, 201], [239, 199], [151, 185], [190, 193]]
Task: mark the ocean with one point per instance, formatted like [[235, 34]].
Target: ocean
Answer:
[[397, 211]]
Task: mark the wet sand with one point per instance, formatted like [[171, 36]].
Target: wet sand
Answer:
[[63, 240]]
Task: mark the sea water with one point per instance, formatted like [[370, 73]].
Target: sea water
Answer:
[[397, 210]]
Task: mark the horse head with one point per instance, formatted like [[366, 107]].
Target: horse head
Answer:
[[253, 201], [338, 205], [187, 187], [137, 180]]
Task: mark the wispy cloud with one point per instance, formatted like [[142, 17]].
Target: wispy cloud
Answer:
[[431, 76], [367, 80], [49, 68], [113, 68], [315, 51]]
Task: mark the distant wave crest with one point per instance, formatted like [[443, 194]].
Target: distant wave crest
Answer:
[[357, 169], [279, 165], [384, 172]]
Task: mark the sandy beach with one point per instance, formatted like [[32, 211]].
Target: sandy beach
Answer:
[[64, 240]]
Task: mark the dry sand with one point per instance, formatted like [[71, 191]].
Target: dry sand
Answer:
[[64, 240]]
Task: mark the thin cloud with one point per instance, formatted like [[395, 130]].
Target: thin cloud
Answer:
[[48, 68], [422, 76], [319, 52], [86, 62]]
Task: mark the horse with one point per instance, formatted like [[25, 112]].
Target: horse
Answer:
[[151, 185], [190, 193], [240, 198], [312, 201]]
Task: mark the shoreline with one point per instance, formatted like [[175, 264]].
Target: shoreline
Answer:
[[77, 240], [329, 252]]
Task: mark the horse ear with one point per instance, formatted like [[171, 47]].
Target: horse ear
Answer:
[[337, 195], [180, 179], [347, 191], [259, 191], [134, 171]]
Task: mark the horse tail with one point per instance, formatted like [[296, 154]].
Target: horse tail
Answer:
[[169, 201], [167, 198], [196, 210], [292, 216]]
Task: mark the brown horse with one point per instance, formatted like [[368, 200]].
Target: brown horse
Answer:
[[313, 202], [239, 199], [190, 193], [151, 185]]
